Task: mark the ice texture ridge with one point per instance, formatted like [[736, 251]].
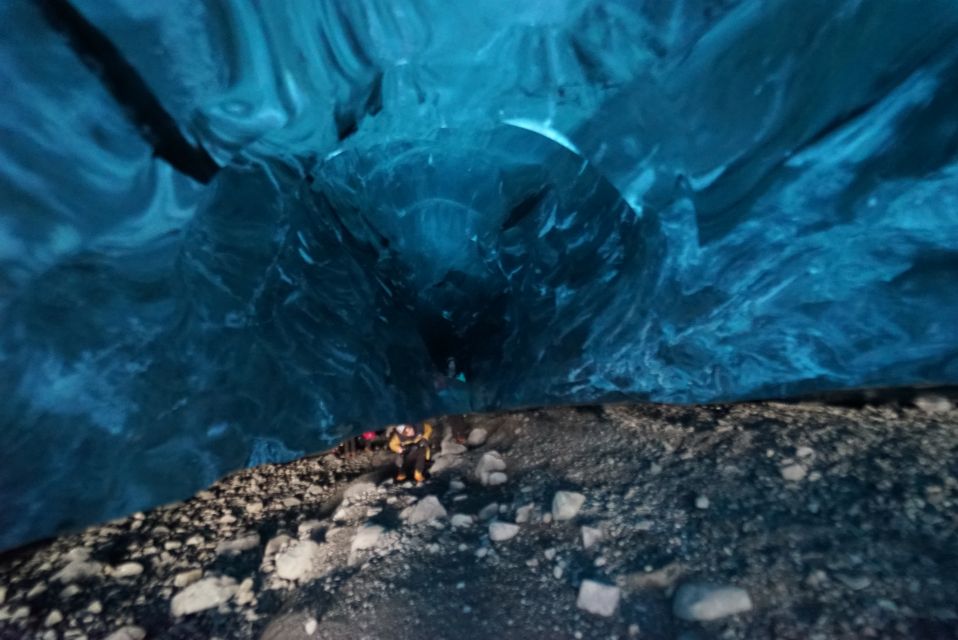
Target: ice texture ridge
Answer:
[[233, 232]]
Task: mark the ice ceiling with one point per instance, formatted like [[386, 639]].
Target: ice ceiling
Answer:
[[234, 231]]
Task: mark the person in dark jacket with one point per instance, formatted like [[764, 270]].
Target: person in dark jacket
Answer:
[[410, 443]]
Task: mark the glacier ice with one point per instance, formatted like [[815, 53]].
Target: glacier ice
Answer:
[[575, 200]]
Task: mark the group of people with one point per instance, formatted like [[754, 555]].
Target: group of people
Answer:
[[409, 441]]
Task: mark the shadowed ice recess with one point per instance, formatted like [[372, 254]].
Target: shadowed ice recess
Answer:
[[577, 200]]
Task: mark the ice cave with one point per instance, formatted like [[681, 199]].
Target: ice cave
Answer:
[[235, 232]]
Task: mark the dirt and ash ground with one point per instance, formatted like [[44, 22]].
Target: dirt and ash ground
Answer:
[[753, 520]]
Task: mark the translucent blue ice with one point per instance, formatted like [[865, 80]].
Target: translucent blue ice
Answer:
[[574, 200]]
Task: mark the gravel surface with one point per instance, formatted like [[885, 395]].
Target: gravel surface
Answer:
[[761, 520]]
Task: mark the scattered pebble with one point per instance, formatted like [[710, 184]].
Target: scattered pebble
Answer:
[[566, 504], [597, 598], [501, 531], [793, 472], [702, 602]]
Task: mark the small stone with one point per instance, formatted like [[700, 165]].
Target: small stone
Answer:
[[524, 514], [547, 518], [291, 502], [557, 573], [186, 578], [930, 403], [590, 536], [238, 545], [95, 607], [502, 531], [54, 618], [452, 448], [805, 452], [3, 594], [306, 529], [38, 589], [550, 554], [490, 463], [477, 437], [310, 626], [366, 537], [78, 569], [633, 630], [793, 472], [461, 520], [489, 511], [702, 502], [566, 504], [855, 583], [254, 508], [456, 485], [703, 602], [20, 613], [357, 490], [205, 594], [429, 508], [597, 598], [298, 560], [496, 478], [128, 570], [195, 541], [69, 591], [129, 632], [172, 545]]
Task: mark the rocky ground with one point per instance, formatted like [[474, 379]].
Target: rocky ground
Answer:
[[754, 520]]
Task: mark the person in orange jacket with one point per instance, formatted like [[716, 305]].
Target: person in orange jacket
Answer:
[[410, 443]]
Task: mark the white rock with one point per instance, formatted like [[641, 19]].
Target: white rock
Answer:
[[703, 602], [477, 437], [597, 598], [205, 594], [68, 592], [238, 545], [77, 570], [429, 508], [452, 448], [566, 504], [306, 529], [702, 502], [549, 553], [3, 594], [54, 618], [186, 578], [524, 514], [496, 478], [461, 520], [95, 607], [456, 485], [366, 537], [298, 561], [490, 462], [310, 626], [501, 531], [129, 632], [254, 508], [805, 452], [930, 403], [276, 544], [489, 511], [358, 490], [590, 536], [793, 472], [128, 570]]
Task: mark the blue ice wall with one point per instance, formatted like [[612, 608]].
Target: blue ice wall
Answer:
[[575, 200]]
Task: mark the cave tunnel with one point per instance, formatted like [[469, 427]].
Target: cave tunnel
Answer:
[[233, 233]]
